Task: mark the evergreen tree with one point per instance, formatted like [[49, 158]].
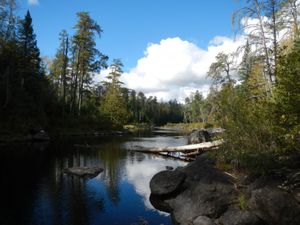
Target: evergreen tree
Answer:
[[246, 64], [59, 68], [86, 58], [30, 61], [113, 105]]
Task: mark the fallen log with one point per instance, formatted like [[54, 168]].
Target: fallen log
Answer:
[[184, 148]]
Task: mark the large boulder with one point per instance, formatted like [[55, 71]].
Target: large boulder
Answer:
[[198, 136], [204, 199], [166, 182], [205, 191], [275, 206], [235, 216], [204, 135], [205, 195]]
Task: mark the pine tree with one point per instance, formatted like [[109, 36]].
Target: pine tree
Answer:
[[86, 58], [30, 61], [113, 105], [58, 70]]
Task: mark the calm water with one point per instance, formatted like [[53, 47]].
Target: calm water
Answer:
[[35, 191]]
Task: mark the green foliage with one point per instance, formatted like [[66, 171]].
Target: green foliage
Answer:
[[113, 105], [287, 99], [196, 109], [24, 88], [220, 71], [249, 143], [242, 202]]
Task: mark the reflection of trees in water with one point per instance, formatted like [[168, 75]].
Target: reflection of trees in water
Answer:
[[113, 162], [67, 197], [20, 168]]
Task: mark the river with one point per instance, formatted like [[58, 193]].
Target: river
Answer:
[[35, 191]]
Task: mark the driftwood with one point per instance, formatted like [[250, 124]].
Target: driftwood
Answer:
[[185, 152], [184, 148]]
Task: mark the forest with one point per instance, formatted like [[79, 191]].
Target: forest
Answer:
[[254, 94], [60, 93]]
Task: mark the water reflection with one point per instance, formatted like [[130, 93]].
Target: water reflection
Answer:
[[140, 172], [34, 190]]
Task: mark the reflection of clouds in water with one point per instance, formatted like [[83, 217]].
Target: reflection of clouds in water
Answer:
[[140, 173]]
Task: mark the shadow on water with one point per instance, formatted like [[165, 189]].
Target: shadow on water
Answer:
[[34, 190]]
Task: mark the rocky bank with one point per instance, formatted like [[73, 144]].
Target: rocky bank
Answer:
[[200, 194]]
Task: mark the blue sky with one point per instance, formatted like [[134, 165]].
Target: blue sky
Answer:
[[131, 26]]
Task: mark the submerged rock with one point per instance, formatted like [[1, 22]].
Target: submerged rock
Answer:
[[169, 168], [88, 172], [37, 135]]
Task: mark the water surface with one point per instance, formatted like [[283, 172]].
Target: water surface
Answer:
[[34, 190]]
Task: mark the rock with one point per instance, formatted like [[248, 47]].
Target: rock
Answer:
[[202, 194], [88, 172], [158, 202], [203, 220], [235, 216], [274, 206], [205, 191], [198, 136], [37, 135], [213, 132], [169, 168], [203, 199], [204, 135], [166, 182]]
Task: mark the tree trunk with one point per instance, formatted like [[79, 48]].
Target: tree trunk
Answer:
[[74, 100], [65, 65], [7, 87], [184, 148], [264, 40]]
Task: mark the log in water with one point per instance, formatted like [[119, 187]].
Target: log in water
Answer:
[[184, 148]]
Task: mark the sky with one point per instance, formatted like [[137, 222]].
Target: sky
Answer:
[[166, 46]]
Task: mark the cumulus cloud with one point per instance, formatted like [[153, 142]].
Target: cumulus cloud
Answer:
[[33, 2], [174, 68]]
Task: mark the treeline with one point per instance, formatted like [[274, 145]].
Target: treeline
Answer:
[[258, 100], [61, 93], [24, 90]]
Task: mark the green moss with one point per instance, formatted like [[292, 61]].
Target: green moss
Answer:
[[242, 202]]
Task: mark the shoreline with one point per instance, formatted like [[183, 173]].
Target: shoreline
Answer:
[[201, 194]]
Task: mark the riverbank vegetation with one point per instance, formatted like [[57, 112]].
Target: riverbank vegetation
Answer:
[[258, 100], [254, 95]]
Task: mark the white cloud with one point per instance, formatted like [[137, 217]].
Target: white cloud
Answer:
[[33, 2], [174, 68]]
